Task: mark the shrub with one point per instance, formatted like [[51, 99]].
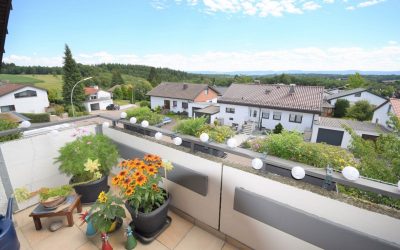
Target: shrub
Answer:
[[158, 110], [341, 106], [145, 113], [59, 110], [190, 126], [361, 111], [144, 104], [216, 133], [75, 154], [6, 125], [37, 117], [278, 129]]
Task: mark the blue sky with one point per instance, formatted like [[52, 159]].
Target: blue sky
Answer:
[[217, 35]]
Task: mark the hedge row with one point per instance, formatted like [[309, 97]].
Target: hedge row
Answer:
[[37, 118]]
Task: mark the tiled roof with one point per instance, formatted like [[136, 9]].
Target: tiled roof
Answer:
[[11, 87], [345, 93], [396, 106], [90, 90], [356, 125], [212, 109], [185, 91], [298, 98]]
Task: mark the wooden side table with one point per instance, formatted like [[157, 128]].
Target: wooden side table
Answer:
[[72, 202]]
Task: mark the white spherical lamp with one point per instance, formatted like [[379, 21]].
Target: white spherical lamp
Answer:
[[298, 172], [177, 141], [350, 173], [231, 143], [133, 120], [145, 124], [204, 137], [106, 124], [158, 136], [25, 124], [123, 115], [257, 163]]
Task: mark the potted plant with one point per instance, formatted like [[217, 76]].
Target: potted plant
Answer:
[[145, 200], [106, 213], [85, 159]]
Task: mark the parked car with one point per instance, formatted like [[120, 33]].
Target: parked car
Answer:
[[112, 107]]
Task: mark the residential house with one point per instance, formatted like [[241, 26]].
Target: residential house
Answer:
[[23, 98], [182, 97], [382, 113], [96, 99], [332, 131], [355, 95], [265, 106]]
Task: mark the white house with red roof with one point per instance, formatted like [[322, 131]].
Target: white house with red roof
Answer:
[[96, 99], [23, 98], [265, 106], [382, 112]]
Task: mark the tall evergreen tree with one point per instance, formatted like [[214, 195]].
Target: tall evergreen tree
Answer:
[[116, 78], [71, 76], [153, 77]]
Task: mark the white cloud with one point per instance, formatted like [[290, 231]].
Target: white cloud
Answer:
[[365, 4], [309, 58], [310, 5], [392, 42], [328, 1]]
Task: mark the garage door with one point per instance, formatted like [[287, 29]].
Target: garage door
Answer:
[[329, 136], [95, 106]]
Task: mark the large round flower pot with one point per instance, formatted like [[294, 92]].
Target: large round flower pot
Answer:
[[148, 224], [90, 191]]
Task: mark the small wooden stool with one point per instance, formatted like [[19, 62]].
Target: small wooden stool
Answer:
[[72, 202]]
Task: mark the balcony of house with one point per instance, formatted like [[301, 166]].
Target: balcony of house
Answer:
[[222, 197]]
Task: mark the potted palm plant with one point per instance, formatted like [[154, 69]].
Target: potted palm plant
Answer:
[[147, 203], [88, 160]]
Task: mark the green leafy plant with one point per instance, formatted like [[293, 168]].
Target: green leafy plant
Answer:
[[144, 104], [341, 106], [278, 129], [361, 111], [74, 155], [37, 118], [145, 113], [63, 191], [190, 126], [217, 133], [105, 210]]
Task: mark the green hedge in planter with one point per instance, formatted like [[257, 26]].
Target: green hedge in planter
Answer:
[[145, 113], [37, 117], [6, 125]]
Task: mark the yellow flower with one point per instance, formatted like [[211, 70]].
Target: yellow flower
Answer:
[[167, 165], [92, 166], [102, 197]]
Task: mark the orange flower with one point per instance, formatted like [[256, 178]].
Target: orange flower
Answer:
[[154, 187], [148, 157], [141, 180], [143, 166], [123, 173], [152, 170], [122, 163], [137, 174], [158, 164], [115, 180], [129, 191], [126, 182]]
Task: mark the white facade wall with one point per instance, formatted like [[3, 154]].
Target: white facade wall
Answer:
[[346, 141], [371, 98], [199, 105], [245, 113], [103, 94], [104, 100], [34, 104], [159, 101], [381, 115]]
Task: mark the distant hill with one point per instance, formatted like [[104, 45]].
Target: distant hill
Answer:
[[295, 72]]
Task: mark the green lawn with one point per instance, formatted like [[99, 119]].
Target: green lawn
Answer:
[[121, 102], [41, 81]]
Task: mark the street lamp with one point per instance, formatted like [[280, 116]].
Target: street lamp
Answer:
[[72, 93]]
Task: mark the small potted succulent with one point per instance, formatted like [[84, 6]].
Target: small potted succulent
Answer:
[[106, 213], [147, 203], [88, 160]]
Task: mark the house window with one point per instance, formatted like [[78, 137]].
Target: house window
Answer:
[[357, 94], [265, 115], [390, 106], [254, 113], [295, 118], [277, 116], [230, 118], [184, 105], [230, 110], [7, 108], [26, 93], [174, 103], [93, 97]]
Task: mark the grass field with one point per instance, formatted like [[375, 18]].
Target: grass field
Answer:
[[41, 81]]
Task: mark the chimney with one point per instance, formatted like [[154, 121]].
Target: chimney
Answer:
[[258, 82], [185, 86], [267, 91], [96, 87], [291, 90]]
